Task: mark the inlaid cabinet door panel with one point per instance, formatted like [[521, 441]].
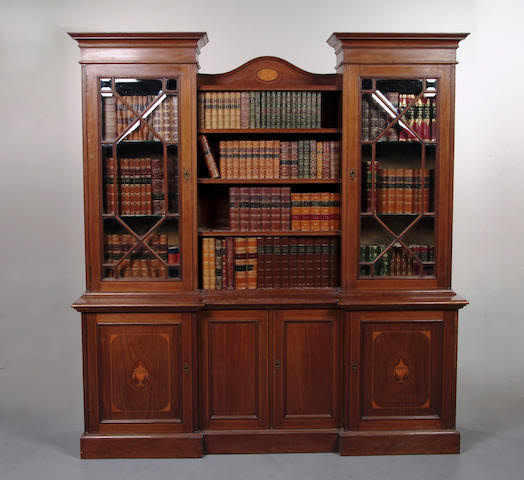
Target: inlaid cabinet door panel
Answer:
[[234, 353], [145, 370], [396, 369], [305, 368]]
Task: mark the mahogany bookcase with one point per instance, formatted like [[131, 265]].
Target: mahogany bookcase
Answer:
[[351, 349]]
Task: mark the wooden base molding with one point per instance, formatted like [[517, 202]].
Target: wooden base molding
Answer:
[[195, 445], [414, 442], [141, 446], [271, 441]]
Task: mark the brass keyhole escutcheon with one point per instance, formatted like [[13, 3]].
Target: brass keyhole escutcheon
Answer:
[[186, 174], [187, 367], [352, 174], [354, 366], [277, 363]]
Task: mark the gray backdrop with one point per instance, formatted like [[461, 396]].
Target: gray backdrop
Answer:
[[42, 222]]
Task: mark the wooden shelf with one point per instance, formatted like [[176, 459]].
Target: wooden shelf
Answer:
[[371, 214], [296, 88], [287, 131], [267, 181], [267, 233]]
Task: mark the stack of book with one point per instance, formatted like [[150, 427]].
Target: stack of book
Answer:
[[420, 117], [141, 263], [243, 263], [118, 116], [259, 109], [276, 208], [141, 182], [256, 159], [396, 262], [396, 190], [316, 211]]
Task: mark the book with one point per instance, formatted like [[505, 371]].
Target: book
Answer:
[[208, 157]]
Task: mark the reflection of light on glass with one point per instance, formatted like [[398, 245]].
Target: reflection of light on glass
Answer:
[[387, 106], [126, 80], [130, 131], [156, 104]]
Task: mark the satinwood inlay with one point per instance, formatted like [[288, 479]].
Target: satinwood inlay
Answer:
[[267, 74]]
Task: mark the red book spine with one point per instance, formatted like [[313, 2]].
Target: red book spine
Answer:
[[234, 213], [285, 208], [254, 210], [243, 208], [275, 209], [265, 208]]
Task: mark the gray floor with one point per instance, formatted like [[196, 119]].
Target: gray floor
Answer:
[[41, 420]]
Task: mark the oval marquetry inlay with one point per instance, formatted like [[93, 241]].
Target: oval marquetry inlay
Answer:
[[267, 74], [401, 371], [140, 376]]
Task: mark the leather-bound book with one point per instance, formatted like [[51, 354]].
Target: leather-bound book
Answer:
[[252, 263], [208, 157]]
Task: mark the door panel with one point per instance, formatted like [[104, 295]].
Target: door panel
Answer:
[[305, 368], [234, 369], [396, 369], [144, 371]]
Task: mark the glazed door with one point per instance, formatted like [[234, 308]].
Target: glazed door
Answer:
[[139, 168], [305, 366], [141, 379], [234, 373], [402, 148], [401, 369]]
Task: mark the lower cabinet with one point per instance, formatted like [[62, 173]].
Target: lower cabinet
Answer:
[[239, 363], [247, 381], [139, 372], [401, 369]]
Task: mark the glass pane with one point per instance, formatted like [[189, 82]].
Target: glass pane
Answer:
[[139, 152], [398, 163]]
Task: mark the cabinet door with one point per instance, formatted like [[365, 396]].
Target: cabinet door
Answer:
[[140, 372], [139, 167], [402, 369], [234, 369], [305, 361]]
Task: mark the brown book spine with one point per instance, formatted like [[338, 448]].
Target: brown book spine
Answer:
[[249, 159], [218, 264], [292, 262], [205, 262], [208, 157], [324, 262], [301, 262], [254, 209], [235, 159], [230, 262], [276, 271], [285, 160], [324, 211], [269, 266], [305, 216], [309, 271], [333, 263], [284, 262], [241, 263], [295, 211], [294, 160], [251, 264], [256, 159], [326, 160], [315, 211], [261, 265], [312, 159], [234, 209], [244, 110], [335, 219], [316, 261], [242, 159], [276, 159]]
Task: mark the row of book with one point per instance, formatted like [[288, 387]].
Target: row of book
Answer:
[[117, 116], [259, 109], [139, 188], [256, 159], [141, 263], [276, 208], [420, 117], [397, 262], [397, 190], [248, 263]]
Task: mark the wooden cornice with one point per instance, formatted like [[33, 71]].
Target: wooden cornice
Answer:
[[395, 48], [141, 48]]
